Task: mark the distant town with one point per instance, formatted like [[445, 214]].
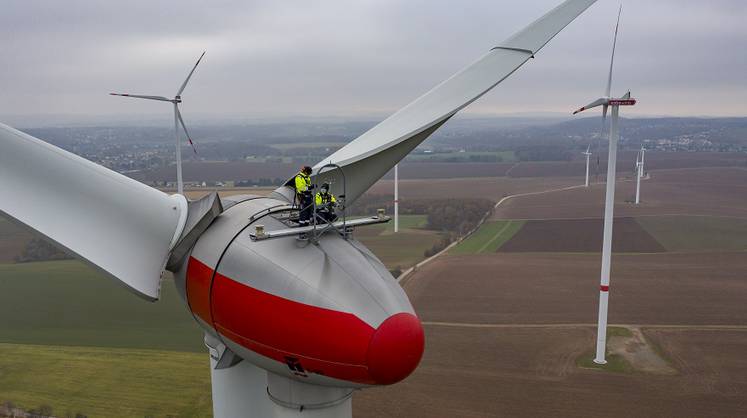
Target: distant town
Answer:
[[142, 151]]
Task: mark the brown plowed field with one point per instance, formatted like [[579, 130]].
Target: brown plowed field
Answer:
[[507, 359], [625, 161], [531, 373], [493, 188], [435, 170], [220, 171], [550, 169], [530, 288], [711, 362], [702, 191], [580, 235]]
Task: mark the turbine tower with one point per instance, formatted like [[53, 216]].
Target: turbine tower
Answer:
[[588, 155], [609, 205], [177, 121], [396, 198], [639, 161]]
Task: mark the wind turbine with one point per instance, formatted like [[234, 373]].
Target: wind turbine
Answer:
[[177, 121], [639, 161], [588, 155], [292, 330], [609, 205]]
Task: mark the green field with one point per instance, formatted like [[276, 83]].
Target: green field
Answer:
[[68, 303], [403, 249], [489, 238], [106, 382], [13, 239], [697, 233], [80, 343]]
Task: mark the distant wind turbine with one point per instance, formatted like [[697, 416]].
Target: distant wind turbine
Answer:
[[177, 121], [609, 205], [587, 154], [639, 161], [396, 198]]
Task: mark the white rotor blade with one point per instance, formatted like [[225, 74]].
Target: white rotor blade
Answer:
[[116, 224], [366, 159], [181, 89], [181, 121], [595, 103], [612, 60], [140, 96]]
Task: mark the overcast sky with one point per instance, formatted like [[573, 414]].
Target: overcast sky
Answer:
[[360, 58]]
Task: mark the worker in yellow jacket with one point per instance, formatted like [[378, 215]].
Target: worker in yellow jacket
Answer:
[[303, 186], [325, 204]]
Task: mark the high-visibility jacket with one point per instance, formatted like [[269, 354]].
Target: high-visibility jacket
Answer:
[[303, 182], [324, 198]]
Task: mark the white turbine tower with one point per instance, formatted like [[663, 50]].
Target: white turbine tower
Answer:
[[177, 121], [639, 161], [396, 198], [609, 205], [588, 155]]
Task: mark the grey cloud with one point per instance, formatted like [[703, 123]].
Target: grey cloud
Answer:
[[358, 58]]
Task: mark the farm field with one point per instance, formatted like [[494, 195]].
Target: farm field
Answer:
[[492, 188], [13, 239], [404, 249], [232, 171], [507, 330], [654, 161], [463, 157], [488, 238], [552, 288], [219, 171], [702, 191], [530, 372], [106, 382], [697, 233], [68, 303], [198, 193], [580, 235], [721, 367]]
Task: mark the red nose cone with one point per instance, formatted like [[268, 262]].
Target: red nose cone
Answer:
[[396, 348]]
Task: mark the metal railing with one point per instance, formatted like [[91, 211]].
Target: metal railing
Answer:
[[320, 228]]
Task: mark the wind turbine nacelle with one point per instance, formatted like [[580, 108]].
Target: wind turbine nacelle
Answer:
[[622, 102], [328, 314]]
